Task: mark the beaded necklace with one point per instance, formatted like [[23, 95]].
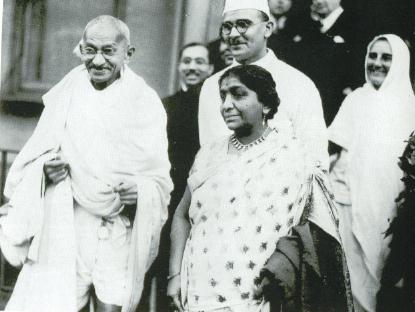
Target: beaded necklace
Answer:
[[243, 147]]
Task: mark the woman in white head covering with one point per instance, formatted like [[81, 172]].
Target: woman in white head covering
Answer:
[[371, 127]]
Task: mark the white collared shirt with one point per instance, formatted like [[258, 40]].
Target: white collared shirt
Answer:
[[330, 19], [280, 22], [184, 87], [300, 101]]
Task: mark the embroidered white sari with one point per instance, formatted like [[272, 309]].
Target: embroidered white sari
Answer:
[[241, 205]]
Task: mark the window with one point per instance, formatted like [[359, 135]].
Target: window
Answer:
[[43, 35]]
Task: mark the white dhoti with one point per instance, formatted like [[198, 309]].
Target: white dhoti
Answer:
[[103, 247]]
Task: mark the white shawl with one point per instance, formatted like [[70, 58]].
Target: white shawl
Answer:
[[134, 147], [372, 126]]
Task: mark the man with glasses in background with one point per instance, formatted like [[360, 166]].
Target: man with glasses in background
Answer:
[[246, 27], [89, 191]]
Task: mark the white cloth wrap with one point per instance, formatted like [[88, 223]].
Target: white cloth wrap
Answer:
[[130, 143], [372, 126]]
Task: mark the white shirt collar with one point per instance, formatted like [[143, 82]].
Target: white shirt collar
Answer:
[[183, 86], [280, 22], [330, 19]]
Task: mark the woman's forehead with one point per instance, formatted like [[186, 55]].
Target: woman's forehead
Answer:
[[231, 81], [381, 46]]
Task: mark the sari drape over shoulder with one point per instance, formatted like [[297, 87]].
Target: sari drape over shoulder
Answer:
[[106, 137]]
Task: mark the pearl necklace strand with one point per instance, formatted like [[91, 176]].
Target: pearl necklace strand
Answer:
[[243, 147]]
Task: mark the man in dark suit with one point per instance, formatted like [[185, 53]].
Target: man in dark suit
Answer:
[[330, 50], [285, 24], [290, 18], [182, 111]]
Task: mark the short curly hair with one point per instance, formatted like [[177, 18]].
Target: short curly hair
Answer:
[[258, 80]]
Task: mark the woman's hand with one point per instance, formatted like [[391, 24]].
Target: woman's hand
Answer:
[[260, 291], [180, 230], [56, 170], [268, 289], [173, 292]]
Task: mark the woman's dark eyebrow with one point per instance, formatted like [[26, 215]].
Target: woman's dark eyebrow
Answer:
[[382, 54], [234, 89]]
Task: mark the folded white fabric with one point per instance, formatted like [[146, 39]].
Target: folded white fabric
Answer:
[[23, 222]]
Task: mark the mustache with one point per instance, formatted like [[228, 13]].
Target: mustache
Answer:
[[233, 41], [191, 72], [92, 66]]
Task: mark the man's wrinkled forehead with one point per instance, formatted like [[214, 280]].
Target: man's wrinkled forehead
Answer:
[[245, 14], [103, 32]]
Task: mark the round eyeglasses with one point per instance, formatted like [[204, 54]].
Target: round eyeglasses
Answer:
[[90, 52], [240, 25]]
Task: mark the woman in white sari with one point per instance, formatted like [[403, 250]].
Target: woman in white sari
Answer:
[[371, 127], [244, 193]]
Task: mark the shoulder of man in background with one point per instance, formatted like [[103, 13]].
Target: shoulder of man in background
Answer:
[[345, 28], [170, 100], [301, 26], [178, 97]]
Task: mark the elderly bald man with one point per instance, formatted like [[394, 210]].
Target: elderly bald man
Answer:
[[89, 191], [246, 27]]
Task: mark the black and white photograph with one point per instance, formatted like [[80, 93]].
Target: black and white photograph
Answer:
[[207, 156]]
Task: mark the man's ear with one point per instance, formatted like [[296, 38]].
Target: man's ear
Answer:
[[269, 28], [130, 52], [265, 110]]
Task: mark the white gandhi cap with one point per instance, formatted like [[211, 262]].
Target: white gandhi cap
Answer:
[[260, 5]]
